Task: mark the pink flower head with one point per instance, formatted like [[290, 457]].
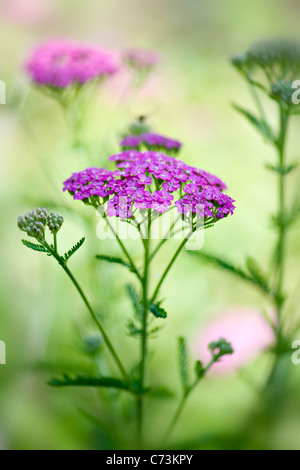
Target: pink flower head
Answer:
[[151, 141], [247, 331], [27, 11], [141, 59], [62, 63], [151, 180]]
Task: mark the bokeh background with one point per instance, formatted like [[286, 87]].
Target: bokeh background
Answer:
[[42, 321]]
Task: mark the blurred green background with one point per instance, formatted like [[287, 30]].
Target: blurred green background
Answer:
[[188, 97]]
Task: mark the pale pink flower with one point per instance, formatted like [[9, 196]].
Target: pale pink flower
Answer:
[[245, 328]]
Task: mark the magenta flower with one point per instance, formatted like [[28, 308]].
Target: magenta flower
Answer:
[[151, 180], [60, 64]]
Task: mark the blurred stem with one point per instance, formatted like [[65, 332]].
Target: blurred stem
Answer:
[[279, 271], [91, 311], [256, 99], [281, 202], [144, 337], [182, 403]]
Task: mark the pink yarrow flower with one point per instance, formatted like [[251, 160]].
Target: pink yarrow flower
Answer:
[[151, 180], [61, 63]]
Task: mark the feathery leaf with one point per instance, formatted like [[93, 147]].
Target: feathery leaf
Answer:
[[113, 259], [82, 381], [73, 250], [35, 246], [261, 126], [183, 365]]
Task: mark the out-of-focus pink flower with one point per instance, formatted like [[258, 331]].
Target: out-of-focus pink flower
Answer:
[[62, 63], [245, 328], [27, 11], [141, 59]]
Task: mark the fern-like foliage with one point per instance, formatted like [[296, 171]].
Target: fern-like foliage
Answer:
[[224, 264], [282, 170], [136, 302], [113, 259], [35, 246], [81, 381], [183, 365], [73, 250], [257, 275], [261, 126]]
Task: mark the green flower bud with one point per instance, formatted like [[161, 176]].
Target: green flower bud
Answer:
[[54, 222], [34, 223]]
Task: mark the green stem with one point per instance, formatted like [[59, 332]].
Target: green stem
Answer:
[[279, 272], [177, 252], [281, 206], [55, 242], [175, 418], [123, 248], [164, 239], [182, 403], [91, 311], [144, 337], [257, 101]]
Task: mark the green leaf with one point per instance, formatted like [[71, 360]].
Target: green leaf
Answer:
[[137, 305], [81, 381], [35, 247], [160, 392], [222, 263], [157, 310], [73, 250], [199, 370], [261, 126], [227, 266], [282, 170], [134, 330], [113, 259], [257, 274], [183, 365]]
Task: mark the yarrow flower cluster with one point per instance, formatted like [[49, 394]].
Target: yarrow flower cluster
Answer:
[[150, 141], [60, 64], [35, 222], [141, 59], [279, 60], [151, 180], [54, 222]]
